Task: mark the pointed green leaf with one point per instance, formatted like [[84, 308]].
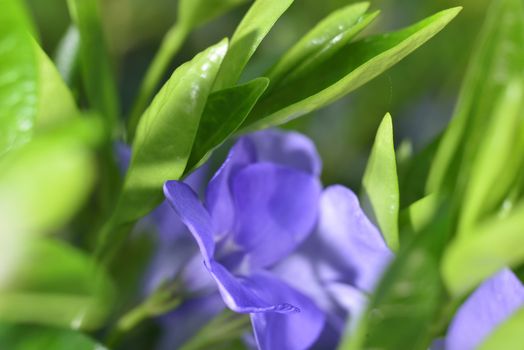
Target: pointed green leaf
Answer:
[[420, 213], [499, 159], [43, 183], [166, 133], [348, 69], [32, 93], [224, 113], [498, 58], [508, 335], [48, 282], [25, 337], [95, 64], [321, 42], [496, 243], [255, 25], [380, 195]]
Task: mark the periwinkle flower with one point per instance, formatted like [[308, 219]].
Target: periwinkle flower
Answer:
[[278, 247], [259, 207], [339, 265], [493, 302]]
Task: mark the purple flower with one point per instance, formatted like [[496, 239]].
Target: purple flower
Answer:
[[485, 309], [339, 265], [259, 207]]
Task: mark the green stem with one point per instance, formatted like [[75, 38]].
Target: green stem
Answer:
[[226, 326], [171, 43], [164, 299]]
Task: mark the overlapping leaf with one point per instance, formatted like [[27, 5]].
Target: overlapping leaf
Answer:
[[32, 93], [166, 133], [347, 69], [255, 25], [499, 57], [96, 67], [225, 111], [321, 42]]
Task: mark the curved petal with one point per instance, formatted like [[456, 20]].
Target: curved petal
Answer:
[[358, 249], [276, 209], [287, 148], [169, 225], [218, 194], [193, 214], [239, 295], [292, 331], [489, 305]]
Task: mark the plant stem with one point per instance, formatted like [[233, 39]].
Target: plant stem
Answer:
[[171, 43], [225, 326]]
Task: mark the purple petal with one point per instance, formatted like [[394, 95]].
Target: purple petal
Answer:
[[292, 331], [491, 303], [358, 249], [168, 223], [218, 194], [240, 297], [287, 148], [193, 214], [276, 209]]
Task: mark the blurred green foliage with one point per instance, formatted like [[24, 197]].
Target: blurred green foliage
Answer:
[[345, 131]]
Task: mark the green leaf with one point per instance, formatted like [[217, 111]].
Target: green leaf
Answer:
[[25, 337], [497, 242], [498, 58], [351, 67], [420, 213], [321, 42], [498, 160], [32, 93], [193, 13], [43, 183], [413, 173], [380, 196], [48, 282], [55, 103], [166, 133], [255, 25], [508, 335], [225, 111], [400, 313], [95, 64]]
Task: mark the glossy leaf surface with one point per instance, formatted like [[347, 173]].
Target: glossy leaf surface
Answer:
[[351, 67], [255, 25], [32, 94], [225, 111]]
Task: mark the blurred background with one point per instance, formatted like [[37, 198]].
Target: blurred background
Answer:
[[420, 92]]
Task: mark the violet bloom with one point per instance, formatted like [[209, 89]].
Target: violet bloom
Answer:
[[340, 264], [259, 207], [493, 302]]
